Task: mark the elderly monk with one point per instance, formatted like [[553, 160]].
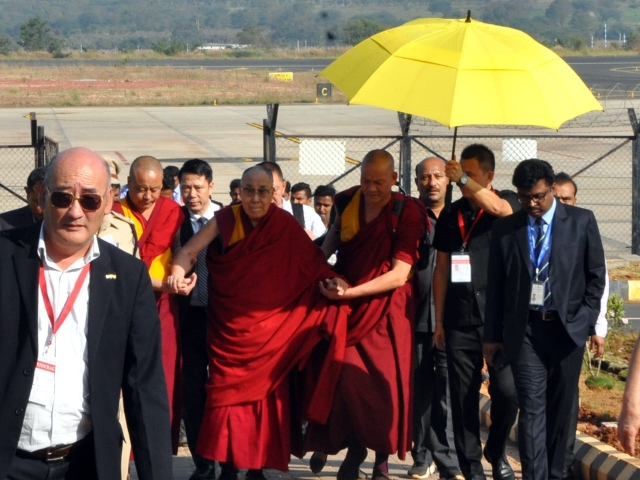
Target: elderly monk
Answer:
[[157, 220], [266, 314], [376, 235]]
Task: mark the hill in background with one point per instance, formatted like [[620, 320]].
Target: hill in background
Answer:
[[171, 26]]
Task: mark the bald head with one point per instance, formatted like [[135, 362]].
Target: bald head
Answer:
[[145, 163], [74, 158], [428, 164], [380, 159], [377, 177], [257, 171], [145, 183]]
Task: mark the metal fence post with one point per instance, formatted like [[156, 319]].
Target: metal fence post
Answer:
[[269, 133], [40, 148], [405, 152], [635, 184]]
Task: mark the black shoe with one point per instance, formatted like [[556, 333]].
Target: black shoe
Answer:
[[317, 462], [228, 472], [567, 473], [255, 474], [419, 471], [500, 468], [350, 467], [206, 472]]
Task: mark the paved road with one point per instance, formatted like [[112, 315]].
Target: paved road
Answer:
[[605, 71]]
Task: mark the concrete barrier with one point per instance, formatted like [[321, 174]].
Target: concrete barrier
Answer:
[[594, 460]]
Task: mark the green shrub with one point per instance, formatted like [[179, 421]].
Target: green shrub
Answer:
[[601, 382]]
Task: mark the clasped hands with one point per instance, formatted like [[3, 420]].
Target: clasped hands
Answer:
[[180, 284], [334, 288]]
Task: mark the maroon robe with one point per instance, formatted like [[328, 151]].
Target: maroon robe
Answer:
[[372, 400], [266, 314]]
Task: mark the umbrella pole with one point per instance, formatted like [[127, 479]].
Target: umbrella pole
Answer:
[[449, 195]]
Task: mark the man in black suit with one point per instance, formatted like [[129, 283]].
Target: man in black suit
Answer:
[[546, 277], [196, 186], [31, 212], [79, 323], [459, 288]]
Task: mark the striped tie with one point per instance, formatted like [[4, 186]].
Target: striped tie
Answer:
[[543, 272], [201, 269]]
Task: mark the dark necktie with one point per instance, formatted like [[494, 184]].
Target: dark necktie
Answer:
[[543, 265], [201, 269]]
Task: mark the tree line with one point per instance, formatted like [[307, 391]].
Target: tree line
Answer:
[[171, 26]]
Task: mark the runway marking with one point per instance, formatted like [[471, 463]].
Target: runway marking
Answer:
[[561, 154], [636, 69], [121, 157]]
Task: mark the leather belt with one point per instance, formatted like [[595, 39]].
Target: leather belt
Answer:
[[545, 317], [52, 454]]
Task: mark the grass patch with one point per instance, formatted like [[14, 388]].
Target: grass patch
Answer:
[[128, 85], [601, 382]]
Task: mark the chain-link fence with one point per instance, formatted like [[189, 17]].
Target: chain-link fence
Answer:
[[17, 161], [601, 166]]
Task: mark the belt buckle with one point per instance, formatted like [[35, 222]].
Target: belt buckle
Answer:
[[55, 454]]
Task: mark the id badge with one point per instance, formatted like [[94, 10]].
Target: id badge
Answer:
[[460, 268], [537, 294], [43, 387]]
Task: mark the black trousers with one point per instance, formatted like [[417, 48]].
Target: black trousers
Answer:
[[193, 334], [432, 427], [79, 465], [465, 361], [570, 456], [546, 375]]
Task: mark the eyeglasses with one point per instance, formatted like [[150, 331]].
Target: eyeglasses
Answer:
[[537, 198], [89, 202], [262, 192]]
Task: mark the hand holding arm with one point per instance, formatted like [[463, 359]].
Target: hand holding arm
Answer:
[[394, 278], [186, 257]]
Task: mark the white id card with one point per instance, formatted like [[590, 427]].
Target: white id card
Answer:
[[460, 268], [43, 386], [537, 294]]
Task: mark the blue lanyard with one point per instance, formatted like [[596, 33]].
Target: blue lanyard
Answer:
[[546, 245]]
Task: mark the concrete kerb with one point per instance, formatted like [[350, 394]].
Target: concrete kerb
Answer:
[[594, 460]]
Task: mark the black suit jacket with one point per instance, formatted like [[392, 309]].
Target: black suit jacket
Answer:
[[124, 352], [576, 272], [16, 218]]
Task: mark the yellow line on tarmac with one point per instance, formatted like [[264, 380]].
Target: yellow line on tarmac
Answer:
[[297, 140]]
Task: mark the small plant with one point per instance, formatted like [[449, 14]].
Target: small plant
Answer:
[[599, 383], [615, 311]]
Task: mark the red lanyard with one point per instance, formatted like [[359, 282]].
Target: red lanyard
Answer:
[[55, 325], [463, 231]]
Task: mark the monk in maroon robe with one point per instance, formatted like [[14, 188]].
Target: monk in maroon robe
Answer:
[[266, 315], [157, 220], [376, 235]]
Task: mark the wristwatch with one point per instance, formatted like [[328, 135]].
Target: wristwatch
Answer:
[[463, 180]]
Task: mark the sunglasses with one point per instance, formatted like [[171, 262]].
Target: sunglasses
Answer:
[[89, 202]]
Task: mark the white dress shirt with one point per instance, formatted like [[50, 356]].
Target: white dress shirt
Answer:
[[602, 323], [59, 408], [312, 220], [195, 223]]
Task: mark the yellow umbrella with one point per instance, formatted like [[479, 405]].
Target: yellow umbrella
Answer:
[[462, 72]]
